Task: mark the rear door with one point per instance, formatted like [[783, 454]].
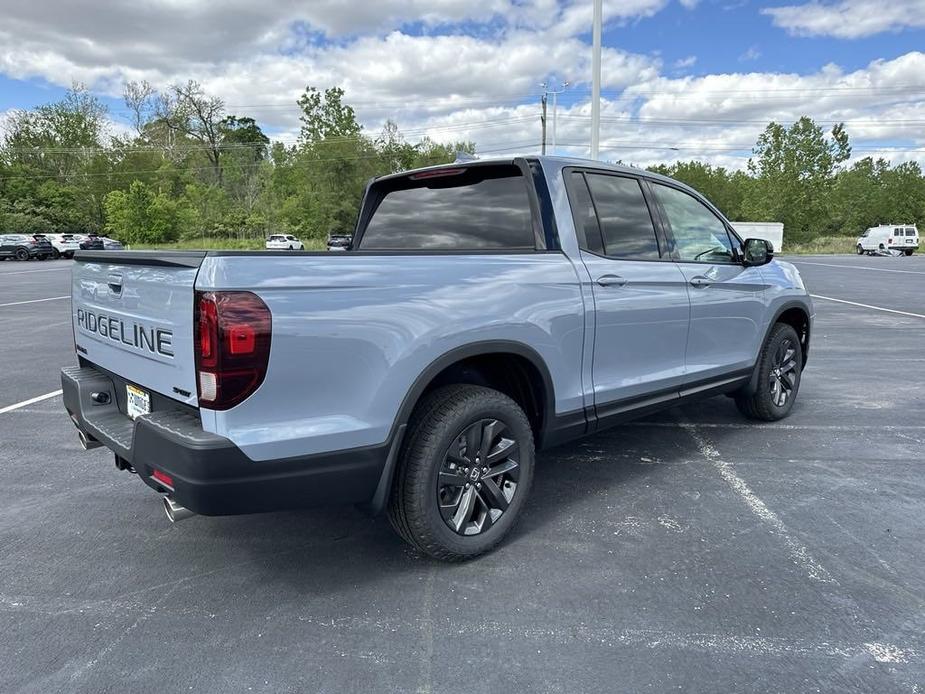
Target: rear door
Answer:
[[133, 316], [641, 308], [726, 298]]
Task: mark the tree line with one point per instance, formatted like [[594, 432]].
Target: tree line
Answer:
[[189, 169]]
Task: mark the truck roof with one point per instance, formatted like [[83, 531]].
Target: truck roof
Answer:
[[549, 162]]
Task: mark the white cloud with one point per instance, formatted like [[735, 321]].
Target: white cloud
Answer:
[[480, 84], [848, 19], [753, 53]]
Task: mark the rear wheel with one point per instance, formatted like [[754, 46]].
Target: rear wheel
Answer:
[[21, 254], [882, 247], [860, 250], [908, 251], [464, 474], [780, 366]]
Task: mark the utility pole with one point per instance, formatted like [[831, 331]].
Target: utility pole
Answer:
[[596, 31], [555, 103], [543, 121]]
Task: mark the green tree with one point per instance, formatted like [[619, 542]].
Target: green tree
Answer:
[[794, 171], [325, 115], [139, 215]]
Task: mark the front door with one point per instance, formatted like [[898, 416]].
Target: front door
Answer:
[[727, 298]]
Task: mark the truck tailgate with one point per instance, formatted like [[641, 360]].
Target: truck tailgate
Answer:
[[133, 315]]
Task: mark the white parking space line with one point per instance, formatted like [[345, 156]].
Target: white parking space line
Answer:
[[857, 267], [875, 308], [29, 272], [30, 401], [36, 301], [799, 554]]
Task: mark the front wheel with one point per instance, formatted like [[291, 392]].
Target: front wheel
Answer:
[[780, 366], [22, 254], [55, 254], [860, 250], [464, 474]]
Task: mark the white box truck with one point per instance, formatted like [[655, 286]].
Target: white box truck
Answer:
[[770, 231]]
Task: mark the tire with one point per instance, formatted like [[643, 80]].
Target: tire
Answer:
[[860, 250], [882, 247], [775, 365], [21, 254], [908, 251], [436, 443], [55, 254]]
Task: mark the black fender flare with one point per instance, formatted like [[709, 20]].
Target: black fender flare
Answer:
[[752, 385], [427, 375]]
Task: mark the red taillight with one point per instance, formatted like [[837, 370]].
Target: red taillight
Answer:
[[233, 347], [163, 478]]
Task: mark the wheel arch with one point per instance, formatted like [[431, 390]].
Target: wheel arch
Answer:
[[478, 363], [796, 315], [513, 368]]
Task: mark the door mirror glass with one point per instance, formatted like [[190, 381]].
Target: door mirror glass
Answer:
[[757, 251]]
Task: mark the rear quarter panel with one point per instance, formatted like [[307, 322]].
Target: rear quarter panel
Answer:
[[352, 333]]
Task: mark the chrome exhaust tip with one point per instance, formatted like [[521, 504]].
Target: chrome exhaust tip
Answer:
[[87, 442], [175, 512]]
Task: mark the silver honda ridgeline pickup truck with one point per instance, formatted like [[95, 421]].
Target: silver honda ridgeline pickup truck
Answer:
[[484, 310]]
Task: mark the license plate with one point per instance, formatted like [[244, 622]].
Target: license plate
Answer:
[[138, 401]]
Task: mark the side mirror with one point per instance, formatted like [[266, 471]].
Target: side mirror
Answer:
[[757, 252]]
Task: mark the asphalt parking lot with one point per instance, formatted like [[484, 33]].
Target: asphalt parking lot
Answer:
[[692, 551]]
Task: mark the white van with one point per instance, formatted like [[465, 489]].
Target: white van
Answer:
[[889, 237]]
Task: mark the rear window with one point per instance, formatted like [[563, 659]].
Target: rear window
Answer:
[[476, 208], [910, 231]]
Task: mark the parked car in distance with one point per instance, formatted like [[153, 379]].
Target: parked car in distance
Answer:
[[889, 237], [282, 242], [339, 242], [92, 242], [112, 244], [25, 247], [489, 309], [64, 245]]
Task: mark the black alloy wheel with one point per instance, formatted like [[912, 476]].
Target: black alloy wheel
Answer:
[[777, 381], [478, 478], [783, 375]]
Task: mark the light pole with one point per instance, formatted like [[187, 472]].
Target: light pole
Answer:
[[596, 30]]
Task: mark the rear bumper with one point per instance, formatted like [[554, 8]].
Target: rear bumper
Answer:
[[210, 475]]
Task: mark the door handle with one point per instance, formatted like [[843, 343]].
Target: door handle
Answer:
[[700, 281], [611, 281]]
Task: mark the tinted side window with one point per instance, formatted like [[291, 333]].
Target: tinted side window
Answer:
[[698, 233], [583, 214], [624, 217], [479, 208]]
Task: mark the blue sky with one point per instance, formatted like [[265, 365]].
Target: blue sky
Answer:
[[682, 78]]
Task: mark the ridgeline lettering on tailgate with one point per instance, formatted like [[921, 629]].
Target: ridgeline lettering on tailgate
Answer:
[[154, 340]]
